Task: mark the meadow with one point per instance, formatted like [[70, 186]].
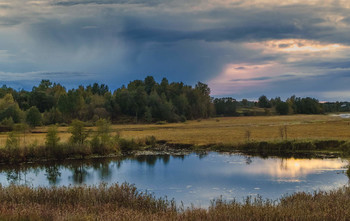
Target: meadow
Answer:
[[226, 130]]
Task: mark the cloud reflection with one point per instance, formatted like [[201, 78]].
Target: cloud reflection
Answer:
[[294, 168]]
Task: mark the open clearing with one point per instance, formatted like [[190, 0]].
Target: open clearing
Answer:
[[228, 130]]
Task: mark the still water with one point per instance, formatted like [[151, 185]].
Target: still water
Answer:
[[193, 179]]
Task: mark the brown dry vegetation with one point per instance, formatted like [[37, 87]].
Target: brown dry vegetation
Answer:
[[125, 203], [227, 130]]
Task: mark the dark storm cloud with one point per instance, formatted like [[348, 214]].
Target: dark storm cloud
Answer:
[[235, 25], [118, 40]]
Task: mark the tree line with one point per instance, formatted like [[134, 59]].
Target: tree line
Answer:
[[293, 105], [139, 101]]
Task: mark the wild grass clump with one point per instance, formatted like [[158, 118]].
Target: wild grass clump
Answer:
[[127, 145], [79, 201], [125, 202], [123, 195]]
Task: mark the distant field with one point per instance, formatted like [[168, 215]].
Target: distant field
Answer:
[[222, 130]]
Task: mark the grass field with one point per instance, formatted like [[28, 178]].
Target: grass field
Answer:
[[227, 130]]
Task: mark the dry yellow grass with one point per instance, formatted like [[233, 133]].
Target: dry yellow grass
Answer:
[[125, 203], [232, 129], [228, 130]]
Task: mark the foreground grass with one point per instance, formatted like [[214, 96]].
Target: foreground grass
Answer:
[[124, 202]]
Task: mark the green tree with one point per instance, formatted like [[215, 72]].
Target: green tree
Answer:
[[103, 130], [282, 108], [12, 146], [10, 109], [225, 106], [52, 138], [22, 128], [150, 84], [33, 117], [78, 131], [264, 102]]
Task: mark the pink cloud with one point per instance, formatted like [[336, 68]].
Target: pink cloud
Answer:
[[239, 78]]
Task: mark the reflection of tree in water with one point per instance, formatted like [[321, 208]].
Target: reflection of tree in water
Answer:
[[149, 159], [166, 159], [284, 165], [52, 174], [182, 157], [79, 174], [102, 168], [119, 164], [201, 155], [13, 176], [248, 160]]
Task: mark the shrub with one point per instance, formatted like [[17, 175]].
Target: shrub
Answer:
[[12, 147], [150, 140], [7, 122], [33, 117], [127, 145], [52, 139], [79, 134]]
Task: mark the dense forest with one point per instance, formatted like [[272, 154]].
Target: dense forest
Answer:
[[140, 101]]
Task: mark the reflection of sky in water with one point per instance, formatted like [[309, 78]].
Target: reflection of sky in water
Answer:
[[195, 179]]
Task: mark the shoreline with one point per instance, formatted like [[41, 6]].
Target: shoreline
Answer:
[[283, 148]]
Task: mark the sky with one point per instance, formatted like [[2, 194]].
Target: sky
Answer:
[[240, 48]]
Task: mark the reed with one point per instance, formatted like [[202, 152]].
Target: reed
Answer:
[[125, 202]]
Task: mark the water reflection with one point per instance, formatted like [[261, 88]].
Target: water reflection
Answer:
[[52, 174], [194, 178], [291, 168]]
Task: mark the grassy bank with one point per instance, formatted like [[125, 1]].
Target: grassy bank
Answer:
[[276, 135], [90, 149], [284, 148], [124, 202]]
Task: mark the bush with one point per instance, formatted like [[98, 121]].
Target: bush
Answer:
[[7, 122], [33, 117], [52, 140], [282, 108], [150, 140], [12, 147], [127, 145], [79, 134]]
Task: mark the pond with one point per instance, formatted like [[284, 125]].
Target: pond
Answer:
[[194, 178]]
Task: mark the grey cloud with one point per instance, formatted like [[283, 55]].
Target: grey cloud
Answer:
[[326, 65], [10, 21], [120, 43], [27, 80], [263, 78], [302, 86], [107, 2]]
